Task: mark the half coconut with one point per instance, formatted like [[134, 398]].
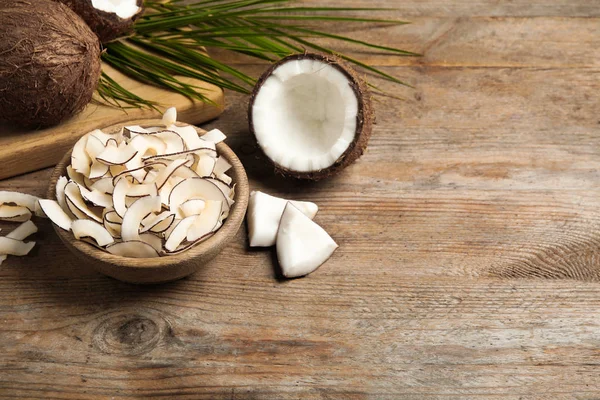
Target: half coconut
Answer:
[[311, 115]]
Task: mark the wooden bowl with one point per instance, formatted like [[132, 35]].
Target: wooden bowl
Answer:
[[167, 268]]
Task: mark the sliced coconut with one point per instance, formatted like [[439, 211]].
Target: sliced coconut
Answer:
[[14, 247], [135, 249], [112, 222], [14, 213], [56, 214], [96, 197], [224, 178], [195, 188], [104, 185], [205, 166], [76, 203], [264, 215], [173, 141], [311, 115], [179, 233], [134, 130], [150, 176], [199, 151], [157, 223], [98, 170], [106, 137], [18, 199], [166, 173], [116, 170], [94, 146], [130, 228], [225, 188], [75, 176], [148, 145], [185, 172], [80, 161], [192, 207], [302, 245], [23, 231], [189, 134], [117, 155], [170, 116], [85, 228], [148, 189], [155, 241], [214, 136], [119, 195], [207, 221], [221, 166]]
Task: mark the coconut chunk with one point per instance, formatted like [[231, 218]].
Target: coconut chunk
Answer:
[[54, 211], [14, 247], [179, 234], [135, 249], [130, 228], [85, 228], [302, 245], [207, 221], [214, 136], [18, 199], [14, 213], [264, 216]]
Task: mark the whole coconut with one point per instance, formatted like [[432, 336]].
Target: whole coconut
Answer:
[[108, 25], [49, 63]]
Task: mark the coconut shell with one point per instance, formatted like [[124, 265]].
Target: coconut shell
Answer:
[[50, 64], [107, 26], [364, 117]]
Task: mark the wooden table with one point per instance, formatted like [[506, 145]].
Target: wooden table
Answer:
[[469, 260]]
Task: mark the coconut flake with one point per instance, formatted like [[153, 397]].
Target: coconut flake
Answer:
[[207, 221], [179, 234], [170, 116], [192, 207], [85, 228], [14, 247], [195, 188], [132, 219], [135, 249], [14, 213], [54, 211], [18, 199], [214, 136]]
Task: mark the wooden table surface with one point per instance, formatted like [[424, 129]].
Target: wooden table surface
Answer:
[[469, 259]]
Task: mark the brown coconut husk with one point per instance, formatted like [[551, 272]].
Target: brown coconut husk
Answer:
[[50, 63]]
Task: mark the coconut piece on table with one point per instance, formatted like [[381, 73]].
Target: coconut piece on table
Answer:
[[18, 199], [311, 115], [302, 245], [14, 213], [14, 247], [21, 232], [264, 215], [85, 228]]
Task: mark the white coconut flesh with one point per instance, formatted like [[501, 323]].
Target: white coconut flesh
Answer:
[[302, 245], [264, 215], [305, 115], [17, 235], [124, 9], [150, 198]]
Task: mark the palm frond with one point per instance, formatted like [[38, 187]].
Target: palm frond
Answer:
[[169, 44]]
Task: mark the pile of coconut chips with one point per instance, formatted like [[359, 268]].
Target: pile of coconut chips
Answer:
[[144, 192]]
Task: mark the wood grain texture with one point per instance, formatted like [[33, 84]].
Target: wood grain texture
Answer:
[[469, 232], [26, 151]]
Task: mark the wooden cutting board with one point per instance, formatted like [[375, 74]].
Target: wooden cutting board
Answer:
[[24, 151]]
